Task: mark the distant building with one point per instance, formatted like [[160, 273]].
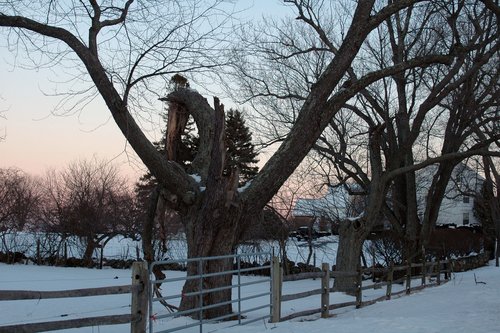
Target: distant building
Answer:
[[337, 204], [324, 213]]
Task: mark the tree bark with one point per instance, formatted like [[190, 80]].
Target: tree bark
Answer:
[[209, 242], [211, 230], [352, 235], [90, 246]]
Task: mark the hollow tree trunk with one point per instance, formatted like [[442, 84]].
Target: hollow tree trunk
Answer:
[[352, 235]]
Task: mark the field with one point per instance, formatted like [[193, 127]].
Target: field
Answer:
[[461, 305]]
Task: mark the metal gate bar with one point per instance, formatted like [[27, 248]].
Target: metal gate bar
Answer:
[[236, 259]]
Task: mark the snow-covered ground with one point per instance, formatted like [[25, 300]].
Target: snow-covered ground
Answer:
[[324, 248], [461, 305]]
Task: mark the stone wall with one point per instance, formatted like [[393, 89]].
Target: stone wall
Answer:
[[470, 262]]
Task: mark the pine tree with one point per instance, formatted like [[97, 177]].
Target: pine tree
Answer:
[[240, 152]]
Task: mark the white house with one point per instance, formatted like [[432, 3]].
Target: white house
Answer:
[[456, 208], [333, 205]]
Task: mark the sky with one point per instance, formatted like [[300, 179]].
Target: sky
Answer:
[[35, 139]]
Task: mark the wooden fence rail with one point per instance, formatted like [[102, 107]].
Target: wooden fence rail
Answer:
[[137, 317], [428, 270], [14, 295], [66, 324]]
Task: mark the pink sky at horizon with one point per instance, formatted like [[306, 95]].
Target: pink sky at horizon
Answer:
[[37, 140]]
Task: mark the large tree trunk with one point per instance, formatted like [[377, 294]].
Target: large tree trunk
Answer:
[[211, 231], [352, 235], [434, 199], [203, 284]]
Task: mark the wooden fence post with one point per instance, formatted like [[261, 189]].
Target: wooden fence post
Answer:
[[372, 248], [390, 277], [325, 288], [140, 294], [276, 290], [408, 278], [424, 266], [314, 261], [449, 266], [359, 282], [438, 272]]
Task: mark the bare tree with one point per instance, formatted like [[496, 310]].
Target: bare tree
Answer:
[[126, 55], [298, 185], [19, 200], [214, 211], [401, 122], [456, 100], [91, 201]]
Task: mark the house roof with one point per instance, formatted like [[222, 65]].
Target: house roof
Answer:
[[332, 205], [336, 203]]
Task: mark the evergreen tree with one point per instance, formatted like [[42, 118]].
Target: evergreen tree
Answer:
[[240, 152]]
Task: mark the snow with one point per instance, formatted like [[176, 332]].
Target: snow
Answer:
[[244, 187], [325, 248], [460, 305], [196, 177], [356, 218]]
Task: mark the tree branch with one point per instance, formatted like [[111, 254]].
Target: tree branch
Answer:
[[168, 173]]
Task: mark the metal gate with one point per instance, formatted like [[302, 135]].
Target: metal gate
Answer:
[[251, 294]]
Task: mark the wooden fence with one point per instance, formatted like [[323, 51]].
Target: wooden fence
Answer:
[[427, 269], [139, 305]]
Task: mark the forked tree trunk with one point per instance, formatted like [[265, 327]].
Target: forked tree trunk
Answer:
[[352, 235], [212, 229]]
